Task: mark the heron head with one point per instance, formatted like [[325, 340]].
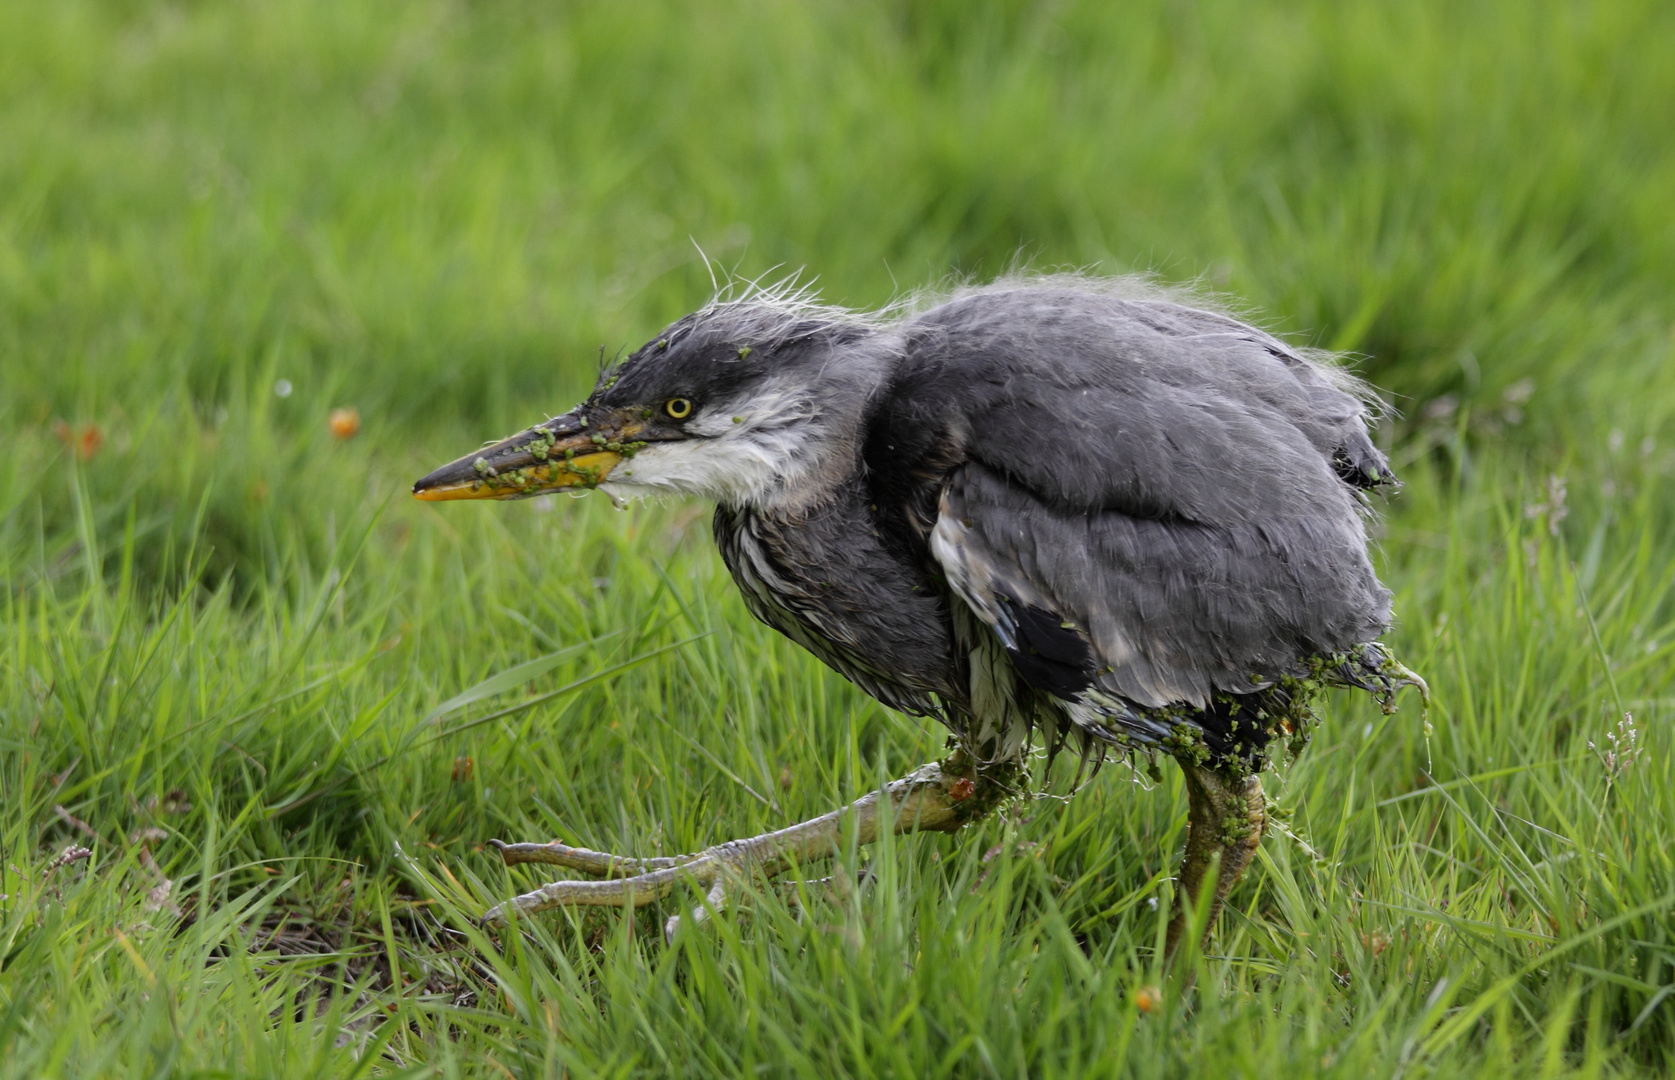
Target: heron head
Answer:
[[745, 403]]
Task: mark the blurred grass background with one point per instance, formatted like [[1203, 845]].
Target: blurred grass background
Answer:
[[225, 629]]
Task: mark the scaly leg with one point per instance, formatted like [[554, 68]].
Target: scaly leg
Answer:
[[939, 797], [1225, 819]]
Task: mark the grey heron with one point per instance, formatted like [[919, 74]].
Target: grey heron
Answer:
[[1045, 509]]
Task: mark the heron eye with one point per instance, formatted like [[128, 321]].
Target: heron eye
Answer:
[[678, 407]]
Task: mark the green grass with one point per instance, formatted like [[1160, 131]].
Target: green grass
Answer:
[[230, 628]]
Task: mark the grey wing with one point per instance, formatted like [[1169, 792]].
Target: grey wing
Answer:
[[1193, 529], [1150, 408], [1109, 610]]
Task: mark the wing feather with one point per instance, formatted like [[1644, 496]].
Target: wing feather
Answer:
[[1155, 503]]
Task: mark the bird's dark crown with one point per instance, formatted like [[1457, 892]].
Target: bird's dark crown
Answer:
[[719, 353]]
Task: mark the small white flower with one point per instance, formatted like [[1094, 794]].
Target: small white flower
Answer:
[[1624, 750]]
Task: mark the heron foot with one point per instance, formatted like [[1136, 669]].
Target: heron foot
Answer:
[[1225, 818], [938, 797]]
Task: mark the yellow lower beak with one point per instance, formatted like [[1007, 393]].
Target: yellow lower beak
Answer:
[[584, 470]]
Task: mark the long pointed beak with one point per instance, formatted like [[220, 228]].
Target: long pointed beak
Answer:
[[578, 449]]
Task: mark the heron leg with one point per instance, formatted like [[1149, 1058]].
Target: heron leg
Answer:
[[1225, 817], [938, 797]]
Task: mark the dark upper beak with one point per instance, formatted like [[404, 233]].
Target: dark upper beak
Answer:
[[578, 449]]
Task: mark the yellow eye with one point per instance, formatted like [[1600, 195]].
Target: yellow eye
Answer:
[[678, 407]]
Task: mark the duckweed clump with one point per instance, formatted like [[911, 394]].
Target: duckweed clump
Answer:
[[1235, 732]]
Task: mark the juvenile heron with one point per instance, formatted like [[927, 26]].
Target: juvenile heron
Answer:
[[1045, 509]]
